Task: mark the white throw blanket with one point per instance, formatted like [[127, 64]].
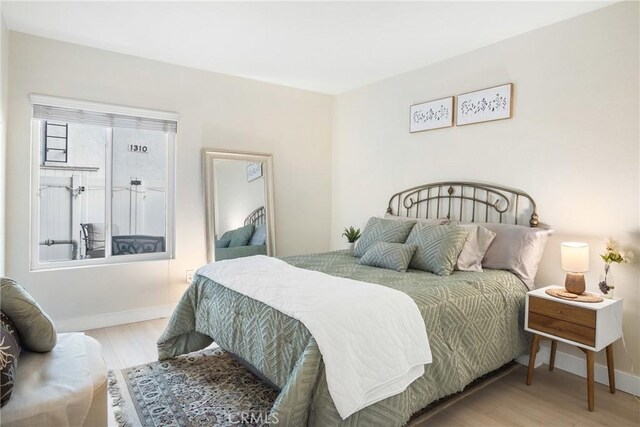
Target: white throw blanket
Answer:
[[372, 338]]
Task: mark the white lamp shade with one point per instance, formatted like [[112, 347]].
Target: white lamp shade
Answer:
[[575, 257]]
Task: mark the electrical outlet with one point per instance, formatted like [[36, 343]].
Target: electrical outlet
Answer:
[[189, 276]]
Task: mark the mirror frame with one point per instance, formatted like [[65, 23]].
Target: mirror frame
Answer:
[[208, 157]]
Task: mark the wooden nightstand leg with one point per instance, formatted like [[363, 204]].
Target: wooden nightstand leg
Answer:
[[532, 358], [611, 369], [552, 357], [590, 385]]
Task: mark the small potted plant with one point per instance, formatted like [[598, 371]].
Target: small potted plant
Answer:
[[611, 254], [352, 234]]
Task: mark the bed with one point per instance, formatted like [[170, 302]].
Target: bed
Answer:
[[474, 320]]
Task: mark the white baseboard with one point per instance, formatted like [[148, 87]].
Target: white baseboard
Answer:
[[541, 358], [79, 324], [625, 381]]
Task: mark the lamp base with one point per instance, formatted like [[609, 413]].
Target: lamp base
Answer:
[[574, 283]]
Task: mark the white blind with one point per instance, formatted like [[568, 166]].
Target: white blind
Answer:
[[70, 115]]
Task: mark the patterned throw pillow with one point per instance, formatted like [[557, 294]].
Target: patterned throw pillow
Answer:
[[36, 329], [241, 236], [382, 230], [392, 256], [438, 247], [9, 353]]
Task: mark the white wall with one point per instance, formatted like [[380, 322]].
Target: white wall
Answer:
[[4, 86], [216, 111], [235, 197], [572, 142]]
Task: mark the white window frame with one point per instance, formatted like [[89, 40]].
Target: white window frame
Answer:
[[34, 236]]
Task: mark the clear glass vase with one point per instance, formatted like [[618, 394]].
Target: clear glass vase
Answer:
[[606, 282]]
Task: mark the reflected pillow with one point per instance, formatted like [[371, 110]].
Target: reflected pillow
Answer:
[[225, 239], [392, 256], [438, 247], [241, 236], [476, 245], [382, 230], [516, 248], [259, 236], [36, 329], [430, 221]]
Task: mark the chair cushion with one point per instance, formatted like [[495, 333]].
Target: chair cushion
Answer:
[[57, 388], [36, 329]]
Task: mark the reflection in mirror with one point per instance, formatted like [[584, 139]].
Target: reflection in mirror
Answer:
[[239, 205]]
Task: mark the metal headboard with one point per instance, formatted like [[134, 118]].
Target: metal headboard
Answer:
[[257, 217], [471, 201]]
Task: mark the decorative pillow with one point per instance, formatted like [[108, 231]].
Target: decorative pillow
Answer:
[[476, 245], [241, 236], [259, 236], [516, 248], [225, 239], [37, 331], [382, 230], [9, 353], [438, 247], [392, 256], [430, 221]]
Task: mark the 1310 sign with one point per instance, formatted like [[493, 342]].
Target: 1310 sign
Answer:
[[138, 148]]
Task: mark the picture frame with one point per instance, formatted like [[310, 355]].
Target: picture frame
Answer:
[[485, 105], [430, 115], [254, 171]]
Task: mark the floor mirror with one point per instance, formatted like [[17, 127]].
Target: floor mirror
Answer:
[[239, 204]]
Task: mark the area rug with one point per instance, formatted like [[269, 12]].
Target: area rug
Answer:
[[211, 388], [207, 388]]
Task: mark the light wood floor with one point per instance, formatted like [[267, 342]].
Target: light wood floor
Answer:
[[554, 399]]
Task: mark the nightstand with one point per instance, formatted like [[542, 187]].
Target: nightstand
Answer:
[[589, 326]]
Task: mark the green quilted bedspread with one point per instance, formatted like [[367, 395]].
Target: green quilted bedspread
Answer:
[[474, 322]]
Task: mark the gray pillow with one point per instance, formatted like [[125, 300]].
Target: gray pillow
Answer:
[[518, 249], [382, 230], [259, 236], [225, 239], [393, 256], [438, 247], [241, 236], [36, 329], [476, 245]]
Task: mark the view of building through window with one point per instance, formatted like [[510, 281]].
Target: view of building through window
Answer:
[[102, 191]]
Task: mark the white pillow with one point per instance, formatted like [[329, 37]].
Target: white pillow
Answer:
[[516, 248], [478, 241], [429, 221]]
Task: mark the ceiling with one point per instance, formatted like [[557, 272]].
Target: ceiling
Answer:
[[328, 47]]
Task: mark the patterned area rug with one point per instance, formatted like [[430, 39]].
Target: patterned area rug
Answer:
[[207, 388], [211, 388]]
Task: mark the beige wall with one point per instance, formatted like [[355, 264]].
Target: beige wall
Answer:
[[572, 142], [4, 75], [216, 111]]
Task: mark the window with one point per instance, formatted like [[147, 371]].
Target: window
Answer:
[[104, 183]]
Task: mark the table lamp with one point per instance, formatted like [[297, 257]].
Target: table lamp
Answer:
[[575, 261]]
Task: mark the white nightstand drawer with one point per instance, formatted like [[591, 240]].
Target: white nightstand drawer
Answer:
[[589, 325]]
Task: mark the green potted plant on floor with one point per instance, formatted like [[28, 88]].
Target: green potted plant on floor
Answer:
[[352, 234]]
